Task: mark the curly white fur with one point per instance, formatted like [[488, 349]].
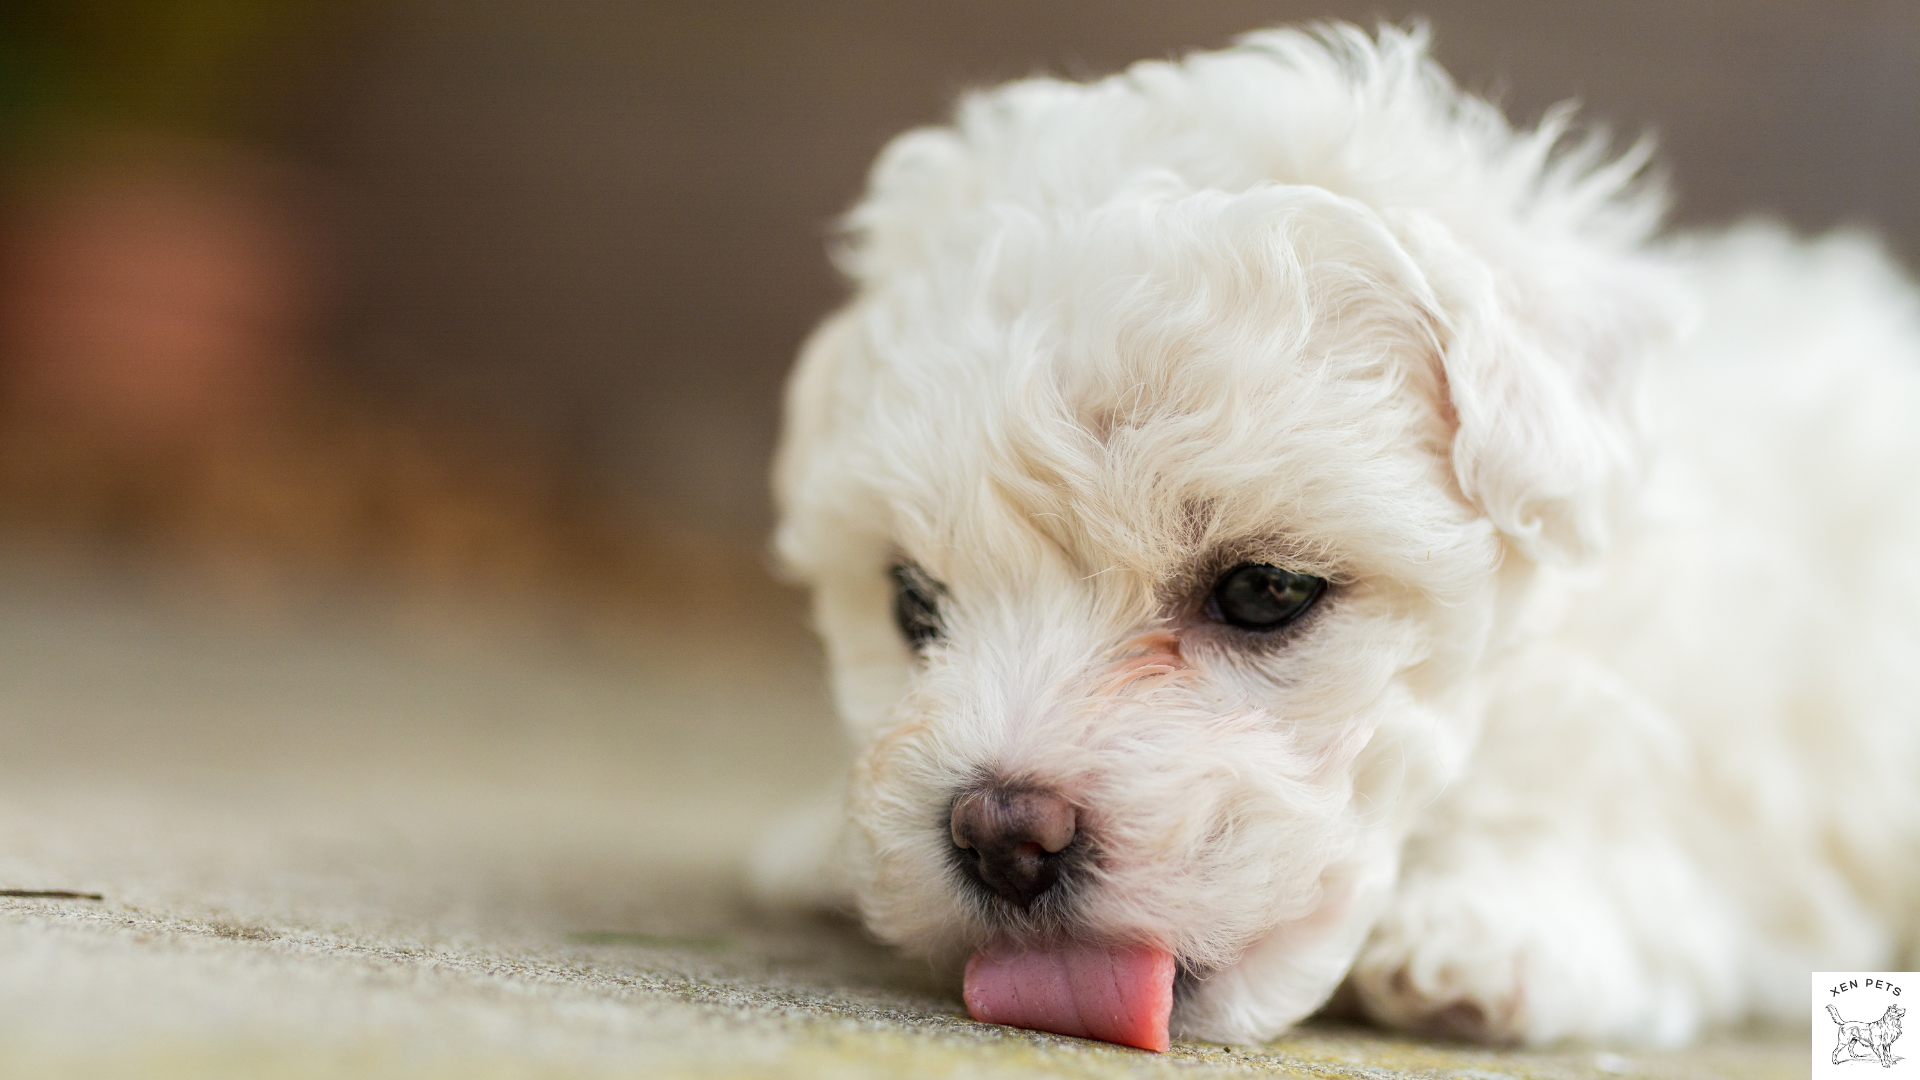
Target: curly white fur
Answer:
[[1609, 723]]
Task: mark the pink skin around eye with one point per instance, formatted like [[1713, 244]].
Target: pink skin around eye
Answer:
[[1150, 654]]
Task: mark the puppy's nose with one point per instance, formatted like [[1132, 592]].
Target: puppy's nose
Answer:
[[1014, 833]]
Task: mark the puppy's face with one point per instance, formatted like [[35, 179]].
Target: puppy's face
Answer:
[[1146, 581]]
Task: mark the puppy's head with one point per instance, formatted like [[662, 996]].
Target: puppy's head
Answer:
[[1160, 500]]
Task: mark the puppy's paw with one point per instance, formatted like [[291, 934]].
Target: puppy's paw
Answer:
[[1472, 958], [799, 862], [1445, 966]]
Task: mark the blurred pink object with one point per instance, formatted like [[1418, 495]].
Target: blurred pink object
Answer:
[[148, 301]]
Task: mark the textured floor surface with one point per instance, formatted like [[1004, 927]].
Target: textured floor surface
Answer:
[[361, 839]]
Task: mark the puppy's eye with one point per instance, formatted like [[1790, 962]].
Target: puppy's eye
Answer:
[[916, 603], [1254, 596]]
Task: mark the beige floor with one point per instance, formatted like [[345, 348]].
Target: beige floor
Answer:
[[342, 836]]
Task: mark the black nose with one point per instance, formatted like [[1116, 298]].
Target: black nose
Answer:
[[1014, 834]]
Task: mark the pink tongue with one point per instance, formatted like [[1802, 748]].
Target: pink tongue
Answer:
[[1119, 995]]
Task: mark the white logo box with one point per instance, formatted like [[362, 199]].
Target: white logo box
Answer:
[[1877, 1037]]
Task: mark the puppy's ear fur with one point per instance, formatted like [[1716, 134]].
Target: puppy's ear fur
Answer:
[[1546, 325]]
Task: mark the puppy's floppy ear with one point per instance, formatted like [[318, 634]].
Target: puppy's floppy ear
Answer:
[[833, 356], [1543, 347]]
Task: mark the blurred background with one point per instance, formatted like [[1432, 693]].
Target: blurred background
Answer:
[[493, 296]]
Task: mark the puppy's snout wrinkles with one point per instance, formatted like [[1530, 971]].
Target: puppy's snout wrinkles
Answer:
[[1014, 836]]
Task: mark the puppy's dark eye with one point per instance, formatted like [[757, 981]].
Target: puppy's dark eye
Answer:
[[1254, 596], [916, 603]]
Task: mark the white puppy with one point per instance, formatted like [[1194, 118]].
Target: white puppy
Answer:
[[1274, 524]]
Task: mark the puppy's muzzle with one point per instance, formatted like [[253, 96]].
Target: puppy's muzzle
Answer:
[[1012, 838]]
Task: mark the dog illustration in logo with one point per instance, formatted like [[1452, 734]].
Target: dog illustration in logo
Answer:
[[1862, 1040]]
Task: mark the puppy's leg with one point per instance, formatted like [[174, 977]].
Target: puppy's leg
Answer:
[[1549, 893], [1504, 940], [801, 861]]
